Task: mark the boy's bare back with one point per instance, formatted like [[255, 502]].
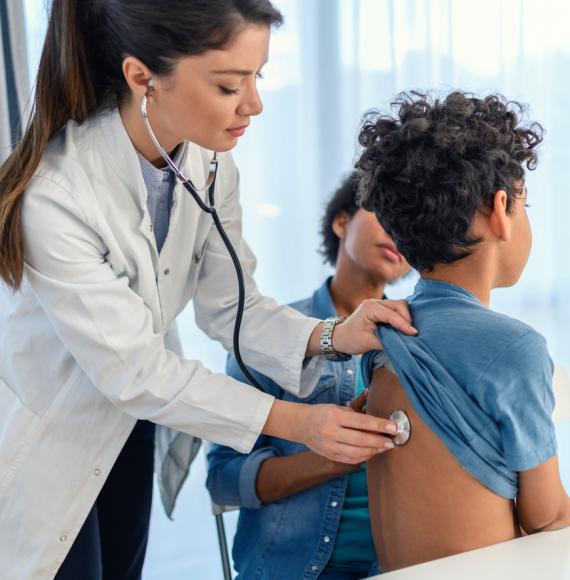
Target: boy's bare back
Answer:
[[423, 504]]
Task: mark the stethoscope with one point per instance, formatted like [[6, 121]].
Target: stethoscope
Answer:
[[399, 416], [404, 427], [210, 209]]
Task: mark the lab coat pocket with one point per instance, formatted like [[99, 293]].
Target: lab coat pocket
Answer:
[[196, 266], [17, 424]]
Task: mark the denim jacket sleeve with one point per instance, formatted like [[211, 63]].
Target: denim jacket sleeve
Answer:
[[232, 475]]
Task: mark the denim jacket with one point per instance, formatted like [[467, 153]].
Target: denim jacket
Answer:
[[292, 538]]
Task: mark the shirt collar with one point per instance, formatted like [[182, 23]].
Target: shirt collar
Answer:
[[154, 176], [437, 288], [323, 305]]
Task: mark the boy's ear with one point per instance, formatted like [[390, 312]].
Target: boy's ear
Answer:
[[498, 218], [340, 223]]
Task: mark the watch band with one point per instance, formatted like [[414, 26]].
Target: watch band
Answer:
[[326, 345]]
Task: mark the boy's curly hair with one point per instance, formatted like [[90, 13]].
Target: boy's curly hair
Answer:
[[431, 165]]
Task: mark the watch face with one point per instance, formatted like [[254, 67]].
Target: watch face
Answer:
[[338, 356]]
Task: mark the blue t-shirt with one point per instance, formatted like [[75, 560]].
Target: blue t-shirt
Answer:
[[480, 380]]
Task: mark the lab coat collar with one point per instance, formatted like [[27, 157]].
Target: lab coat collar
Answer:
[[120, 154]]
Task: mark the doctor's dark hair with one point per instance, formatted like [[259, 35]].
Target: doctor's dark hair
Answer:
[[80, 72], [429, 166], [343, 200]]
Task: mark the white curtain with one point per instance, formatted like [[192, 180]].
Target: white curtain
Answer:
[[331, 61], [335, 59], [14, 80], [14, 83]]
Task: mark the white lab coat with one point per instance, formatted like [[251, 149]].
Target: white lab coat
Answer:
[[82, 345]]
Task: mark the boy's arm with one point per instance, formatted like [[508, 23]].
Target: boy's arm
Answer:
[[542, 503], [521, 400]]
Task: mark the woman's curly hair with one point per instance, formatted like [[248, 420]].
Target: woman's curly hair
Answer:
[[343, 200], [431, 165]]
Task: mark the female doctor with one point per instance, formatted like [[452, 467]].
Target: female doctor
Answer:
[[104, 250]]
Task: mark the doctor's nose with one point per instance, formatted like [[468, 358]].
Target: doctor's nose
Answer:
[[251, 105]]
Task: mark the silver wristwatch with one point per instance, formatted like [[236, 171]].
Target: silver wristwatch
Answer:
[[327, 349]]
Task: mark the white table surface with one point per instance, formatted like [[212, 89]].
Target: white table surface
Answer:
[[544, 555]]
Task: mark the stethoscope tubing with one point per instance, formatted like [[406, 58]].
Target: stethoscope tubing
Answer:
[[209, 208]]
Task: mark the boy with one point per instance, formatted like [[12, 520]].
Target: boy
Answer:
[[446, 180]]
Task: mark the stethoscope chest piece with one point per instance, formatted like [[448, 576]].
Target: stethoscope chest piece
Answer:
[[404, 431]]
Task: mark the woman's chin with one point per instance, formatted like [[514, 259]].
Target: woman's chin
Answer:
[[225, 143]]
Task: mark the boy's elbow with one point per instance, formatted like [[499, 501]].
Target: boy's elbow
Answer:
[[557, 519], [562, 519]]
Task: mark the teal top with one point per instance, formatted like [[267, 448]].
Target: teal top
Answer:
[[354, 537]]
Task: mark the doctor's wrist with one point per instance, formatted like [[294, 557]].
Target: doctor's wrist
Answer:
[[314, 344], [286, 420]]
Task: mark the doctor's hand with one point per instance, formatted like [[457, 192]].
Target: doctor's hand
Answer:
[[357, 334], [338, 433]]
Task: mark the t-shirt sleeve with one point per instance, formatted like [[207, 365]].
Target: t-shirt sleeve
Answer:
[[373, 360], [518, 394]]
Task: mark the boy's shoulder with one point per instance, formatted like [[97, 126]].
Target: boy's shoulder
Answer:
[[457, 323]]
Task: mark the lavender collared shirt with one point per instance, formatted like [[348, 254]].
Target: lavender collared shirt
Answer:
[[159, 183]]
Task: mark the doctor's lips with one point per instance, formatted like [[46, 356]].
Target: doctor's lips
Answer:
[[390, 252], [237, 131]]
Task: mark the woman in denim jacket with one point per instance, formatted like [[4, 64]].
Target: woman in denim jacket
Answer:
[[304, 516]]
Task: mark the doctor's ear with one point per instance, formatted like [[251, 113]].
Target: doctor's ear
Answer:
[[340, 224], [137, 75]]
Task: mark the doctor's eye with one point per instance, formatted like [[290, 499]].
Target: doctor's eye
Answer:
[[226, 91]]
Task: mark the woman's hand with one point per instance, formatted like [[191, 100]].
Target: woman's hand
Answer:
[[343, 434], [338, 433], [357, 334]]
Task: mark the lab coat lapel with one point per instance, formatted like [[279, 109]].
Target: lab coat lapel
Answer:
[[195, 167], [121, 154]]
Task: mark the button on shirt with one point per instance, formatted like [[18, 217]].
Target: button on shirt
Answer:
[[160, 184]]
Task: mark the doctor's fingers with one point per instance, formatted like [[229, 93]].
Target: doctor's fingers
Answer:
[[400, 306], [363, 439], [352, 455], [382, 313], [365, 423]]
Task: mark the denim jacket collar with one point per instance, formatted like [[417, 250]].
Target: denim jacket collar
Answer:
[[323, 306]]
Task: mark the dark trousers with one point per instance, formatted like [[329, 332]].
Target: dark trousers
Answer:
[[112, 542]]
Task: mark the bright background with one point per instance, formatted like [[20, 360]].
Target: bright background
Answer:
[[330, 62]]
